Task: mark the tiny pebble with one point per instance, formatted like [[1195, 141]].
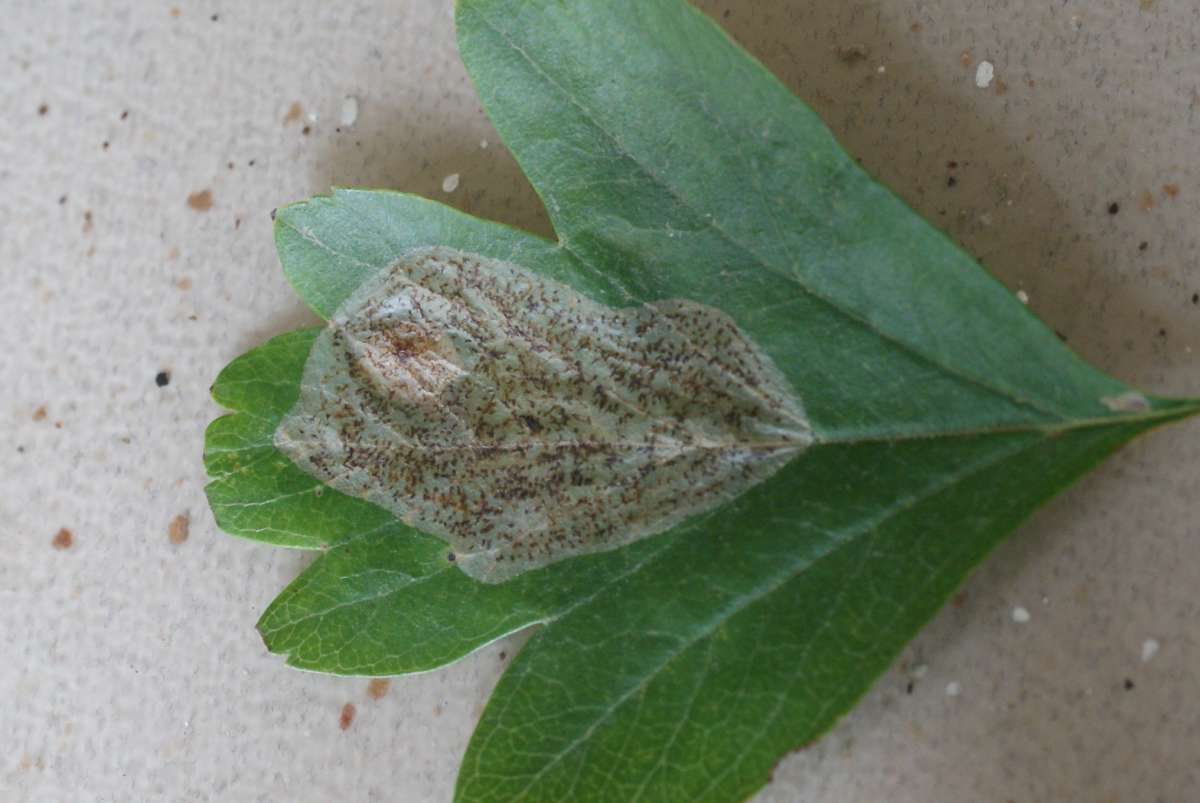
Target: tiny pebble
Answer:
[[882, 69], [450, 183], [483, 143], [1022, 296], [953, 689], [349, 110], [1020, 615], [984, 74], [1149, 649]]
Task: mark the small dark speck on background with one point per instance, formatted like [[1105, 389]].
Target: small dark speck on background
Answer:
[[273, 211], [909, 688], [125, 114], [1162, 332], [503, 655], [63, 539], [62, 199], [215, 17], [306, 130], [1143, 245], [347, 716], [104, 145], [450, 557], [162, 378], [951, 182], [1128, 684], [1196, 298], [1114, 208], [43, 109], [852, 53]]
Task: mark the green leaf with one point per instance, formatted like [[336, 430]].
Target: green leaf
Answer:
[[682, 666]]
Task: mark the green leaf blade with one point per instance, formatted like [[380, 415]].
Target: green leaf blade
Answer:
[[676, 149], [691, 680], [329, 245]]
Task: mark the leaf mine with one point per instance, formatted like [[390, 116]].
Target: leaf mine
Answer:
[[524, 423]]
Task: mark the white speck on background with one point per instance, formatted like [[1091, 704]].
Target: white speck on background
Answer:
[[483, 143], [953, 689], [349, 110], [1149, 649], [882, 69], [450, 183], [1022, 296], [1020, 615], [984, 74]]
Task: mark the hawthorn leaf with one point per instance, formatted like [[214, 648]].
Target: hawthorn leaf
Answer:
[[683, 665], [524, 423]]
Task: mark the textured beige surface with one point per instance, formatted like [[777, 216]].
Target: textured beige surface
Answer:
[[130, 668]]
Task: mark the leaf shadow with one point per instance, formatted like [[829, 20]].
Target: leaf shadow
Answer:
[[292, 317], [489, 184]]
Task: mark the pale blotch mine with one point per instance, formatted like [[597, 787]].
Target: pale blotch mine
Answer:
[[524, 423]]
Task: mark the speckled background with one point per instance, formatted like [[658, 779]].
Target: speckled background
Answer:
[[130, 668]]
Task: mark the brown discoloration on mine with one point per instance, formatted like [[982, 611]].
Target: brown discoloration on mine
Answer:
[[523, 422], [40, 413], [377, 689], [63, 539]]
